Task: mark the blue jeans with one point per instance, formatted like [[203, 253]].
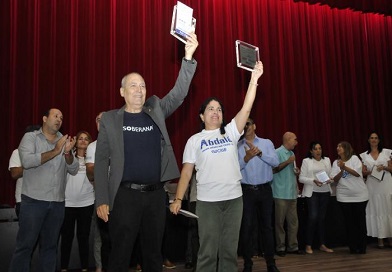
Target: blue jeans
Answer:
[[317, 208], [38, 221]]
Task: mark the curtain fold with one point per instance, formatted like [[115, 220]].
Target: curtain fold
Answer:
[[327, 71]]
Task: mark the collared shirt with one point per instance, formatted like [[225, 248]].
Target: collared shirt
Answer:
[[43, 181], [258, 170], [284, 185]]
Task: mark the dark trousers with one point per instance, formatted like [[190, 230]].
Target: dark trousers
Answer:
[[257, 203], [355, 221], [105, 240], [81, 217], [192, 237], [317, 208], [17, 208], [134, 213]]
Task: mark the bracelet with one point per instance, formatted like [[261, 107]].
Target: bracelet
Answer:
[[177, 199], [253, 83]]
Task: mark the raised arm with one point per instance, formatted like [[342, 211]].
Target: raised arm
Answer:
[[243, 114], [190, 46]]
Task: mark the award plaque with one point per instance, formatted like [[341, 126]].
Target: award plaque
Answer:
[[247, 55], [182, 22]]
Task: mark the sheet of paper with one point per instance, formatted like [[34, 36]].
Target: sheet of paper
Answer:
[[187, 213], [322, 176]]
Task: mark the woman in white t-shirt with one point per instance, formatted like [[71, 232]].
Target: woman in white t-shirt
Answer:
[[352, 195], [79, 206], [213, 153], [377, 167]]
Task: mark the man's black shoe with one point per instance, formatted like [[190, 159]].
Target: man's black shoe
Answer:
[[188, 265], [299, 252], [281, 253], [272, 268]]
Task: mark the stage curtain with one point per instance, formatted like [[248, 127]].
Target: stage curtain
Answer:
[[327, 71]]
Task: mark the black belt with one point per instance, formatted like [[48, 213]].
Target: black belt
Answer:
[[142, 187], [255, 187]]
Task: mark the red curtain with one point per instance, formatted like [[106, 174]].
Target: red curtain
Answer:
[[327, 71]]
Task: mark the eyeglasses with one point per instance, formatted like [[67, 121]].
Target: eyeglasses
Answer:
[[249, 123]]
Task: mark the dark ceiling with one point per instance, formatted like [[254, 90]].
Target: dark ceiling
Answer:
[[373, 6]]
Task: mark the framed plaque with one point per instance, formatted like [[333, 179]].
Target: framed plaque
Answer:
[[182, 22], [247, 55]]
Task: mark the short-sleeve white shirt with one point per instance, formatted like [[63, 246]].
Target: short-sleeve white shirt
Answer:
[[90, 153], [79, 191], [350, 188], [215, 157], [15, 162]]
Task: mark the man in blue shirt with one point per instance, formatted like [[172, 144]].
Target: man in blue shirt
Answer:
[[257, 158]]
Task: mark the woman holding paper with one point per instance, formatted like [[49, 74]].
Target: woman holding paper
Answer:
[[315, 171], [352, 195], [377, 167], [213, 153]]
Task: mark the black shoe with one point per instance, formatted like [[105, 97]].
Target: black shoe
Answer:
[[281, 253], [272, 268], [298, 252], [188, 265]]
